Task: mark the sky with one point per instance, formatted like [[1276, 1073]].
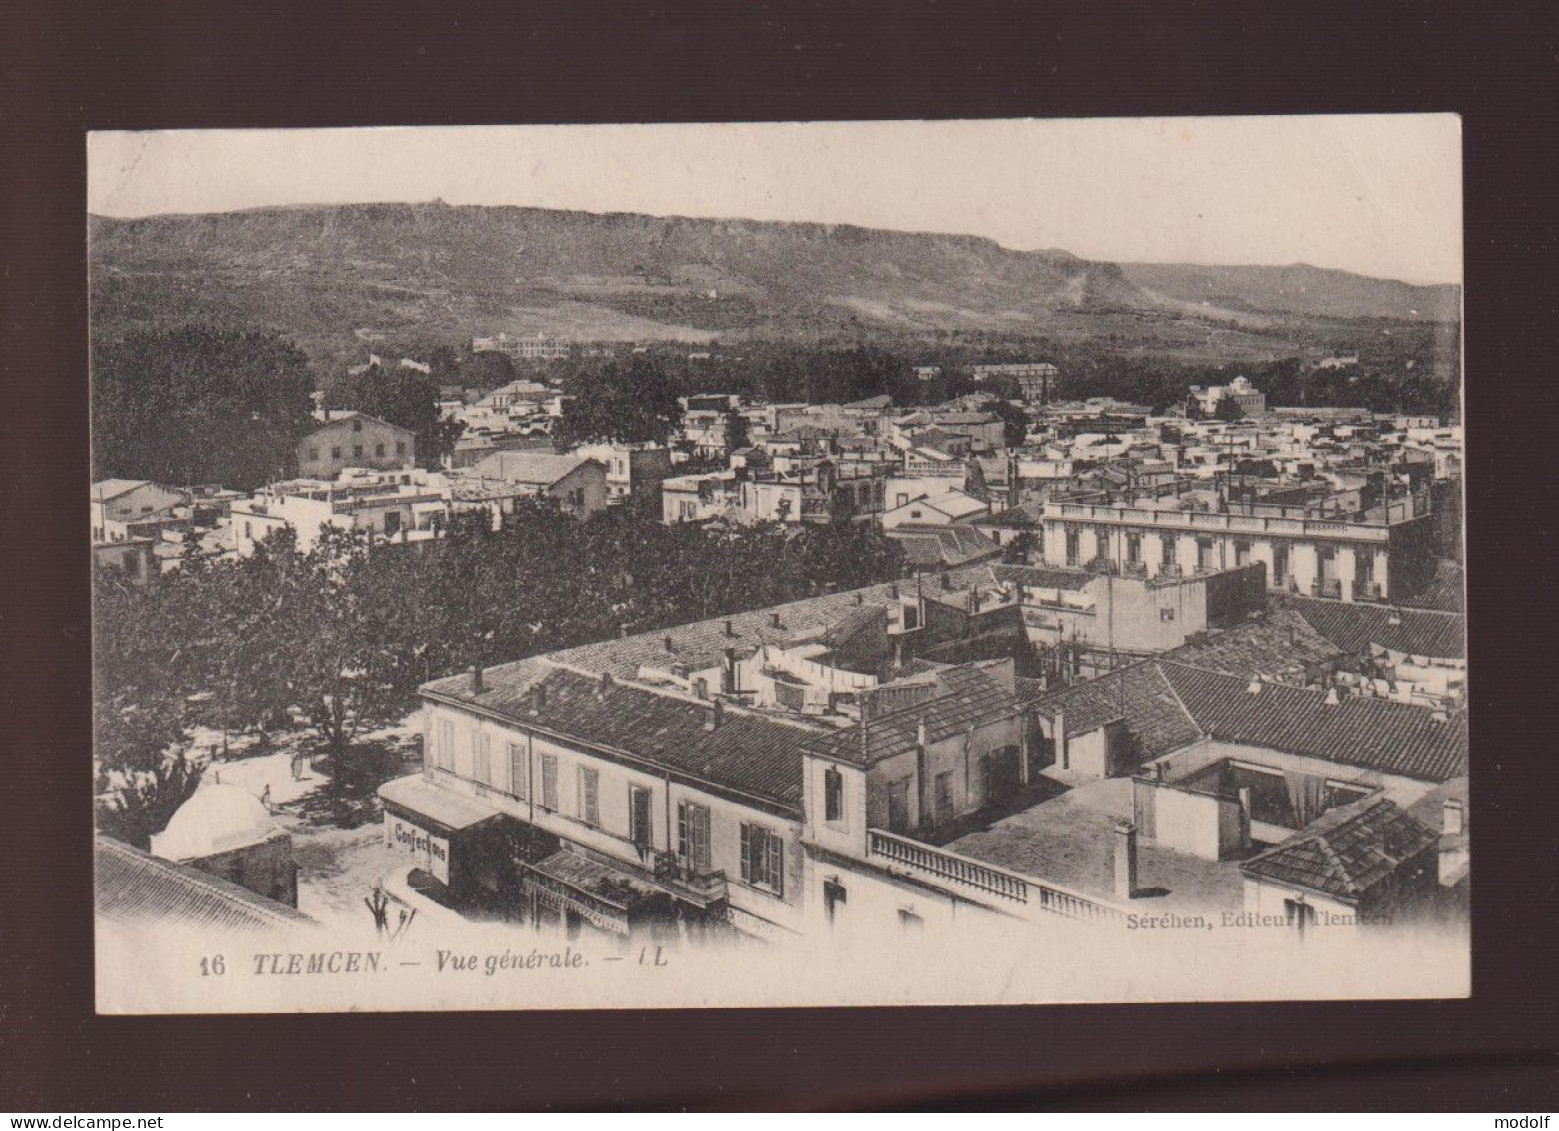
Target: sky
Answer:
[[1375, 194]]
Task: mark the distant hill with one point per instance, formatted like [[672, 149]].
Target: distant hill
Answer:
[[334, 276], [1299, 289]]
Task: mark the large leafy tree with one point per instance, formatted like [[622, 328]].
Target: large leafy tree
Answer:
[[403, 397], [198, 404], [630, 402]]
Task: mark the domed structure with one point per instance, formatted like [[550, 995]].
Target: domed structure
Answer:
[[218, 818]]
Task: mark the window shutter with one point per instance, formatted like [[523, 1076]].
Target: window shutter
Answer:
[[776, 848], [684, 847], [701, 837], [747, 846]]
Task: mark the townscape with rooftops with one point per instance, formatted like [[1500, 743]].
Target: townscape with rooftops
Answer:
[[862, 632]]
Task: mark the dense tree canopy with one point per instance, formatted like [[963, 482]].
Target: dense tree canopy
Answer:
[[198, 405], [339, 638], [404, 397], [630, 401]]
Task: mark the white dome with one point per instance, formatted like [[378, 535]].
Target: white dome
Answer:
[[218, 818]]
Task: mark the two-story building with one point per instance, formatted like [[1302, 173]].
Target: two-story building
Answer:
[[623, 806], [354, 439], [1375, 553]]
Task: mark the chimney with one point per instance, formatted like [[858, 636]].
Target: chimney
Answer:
[[1453, 817], [859, 598], [947, 581], [603, 685], [894, 589], [1254, 687], [774, 620], [922, 735], [540, 699], [1331, 697], [667, 641], [729, 629], [716, 715], [477, 686], [1125, 860]]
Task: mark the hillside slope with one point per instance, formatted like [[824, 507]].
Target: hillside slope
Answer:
[[330, 276]]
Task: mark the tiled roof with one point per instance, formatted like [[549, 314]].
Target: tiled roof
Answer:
[[970, 697], [943, 546], [529, 467], [1169, 705], [703, 643], [1041, 577], [1139, 694], [1445, 592], [1346, 852], [1278, 641], [133, 886], [754, 754], [1024, 514], [1354, 627], [113, 488], [1377, 734]]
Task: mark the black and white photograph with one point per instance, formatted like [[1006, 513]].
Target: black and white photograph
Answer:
[[778, 564]]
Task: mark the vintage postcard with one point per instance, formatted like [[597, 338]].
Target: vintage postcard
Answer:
[[778, 564]]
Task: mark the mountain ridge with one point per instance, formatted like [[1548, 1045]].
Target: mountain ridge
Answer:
[[322, 272]]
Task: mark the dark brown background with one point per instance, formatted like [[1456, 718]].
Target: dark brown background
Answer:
[[68, 67]]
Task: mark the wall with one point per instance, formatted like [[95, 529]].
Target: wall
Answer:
[[612, 835], [879, 908], [267, 868], [359, 441]]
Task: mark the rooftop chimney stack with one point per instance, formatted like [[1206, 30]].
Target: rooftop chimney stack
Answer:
[[1453, 817], [540, 699], [667, 641], [774, 620], [716, 715], [1332, 699], [730, 630], [1255, 685], [477, 684], [1125, 860], [603, 685]]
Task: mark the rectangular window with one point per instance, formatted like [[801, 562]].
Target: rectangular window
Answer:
[[639, 816], [1204, 553], [400, 447], [898, 806], [313, 454], [357, 449], [693, 836], [335, 453], [833, 795], [1167, 551], [549, 782], [1299, 914], [444, 748], [1073, 550], [1134, 548], [1242, 551], [378, 449], [943, 786], [589, 796], [519, 771], [1279, 564], [763, 858], [482, 758]]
